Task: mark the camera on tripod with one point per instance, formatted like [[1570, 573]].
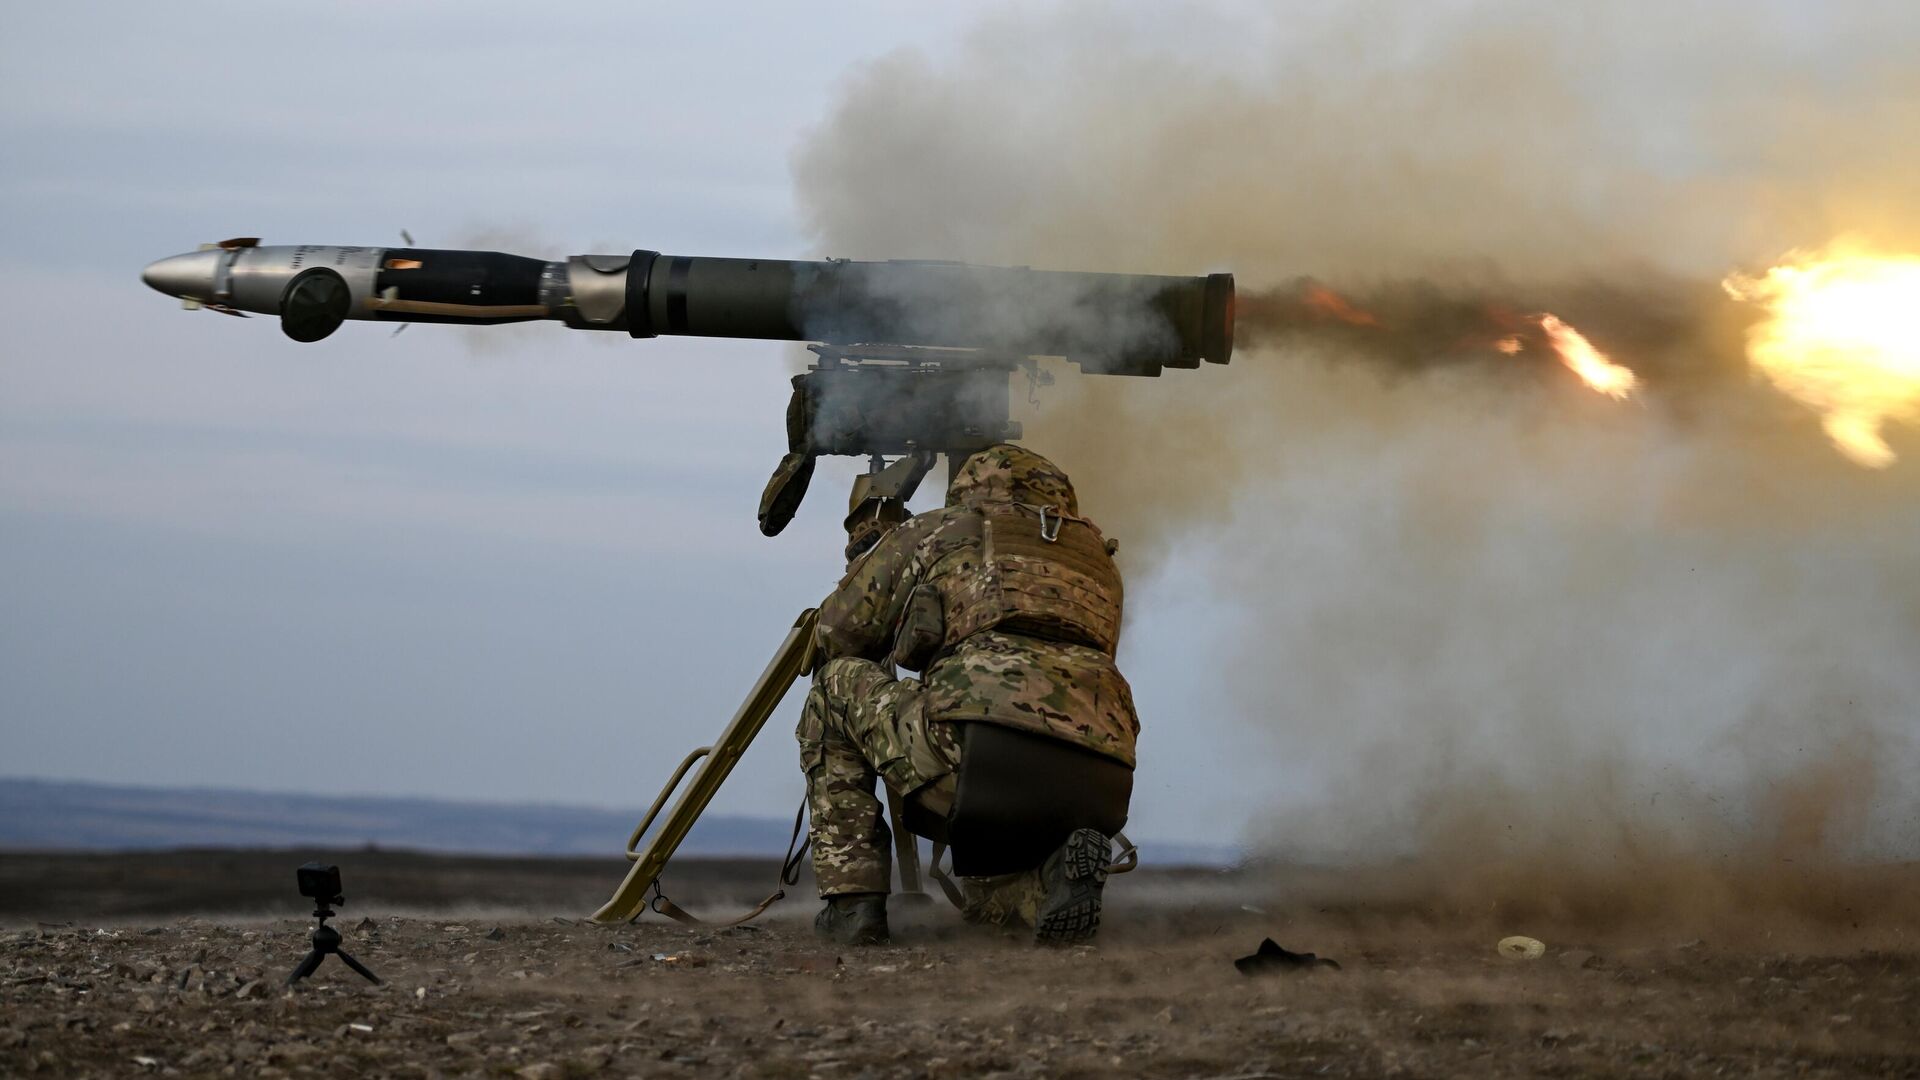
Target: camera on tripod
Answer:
[[321, 884]]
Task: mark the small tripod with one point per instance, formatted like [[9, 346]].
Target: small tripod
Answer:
[[326, 942]]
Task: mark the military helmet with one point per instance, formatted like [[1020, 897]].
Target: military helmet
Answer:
[[1004, 472]]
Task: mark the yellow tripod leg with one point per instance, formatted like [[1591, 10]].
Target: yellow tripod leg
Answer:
[[788, 664]]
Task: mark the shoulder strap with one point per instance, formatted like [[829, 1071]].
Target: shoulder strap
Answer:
[[789, 875]]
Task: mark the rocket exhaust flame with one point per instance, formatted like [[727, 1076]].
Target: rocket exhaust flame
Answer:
[[1592, 365], [1839, 335]]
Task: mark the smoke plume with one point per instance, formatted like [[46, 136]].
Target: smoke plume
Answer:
[[1489, 618]]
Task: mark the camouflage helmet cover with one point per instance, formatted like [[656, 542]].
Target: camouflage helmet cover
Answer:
[[1005, 473]]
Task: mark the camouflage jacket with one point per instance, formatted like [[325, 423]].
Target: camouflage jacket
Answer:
[[1069, 691]]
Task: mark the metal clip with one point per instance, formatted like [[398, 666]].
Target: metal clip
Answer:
[[1058, 520]]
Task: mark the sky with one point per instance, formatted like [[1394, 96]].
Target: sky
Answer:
[[513, 564], [521, 563]]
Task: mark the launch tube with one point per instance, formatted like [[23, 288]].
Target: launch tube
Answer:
[[1109, 323]]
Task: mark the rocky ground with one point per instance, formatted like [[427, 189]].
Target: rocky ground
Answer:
[[97, 988]]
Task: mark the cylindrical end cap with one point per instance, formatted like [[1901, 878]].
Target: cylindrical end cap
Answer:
[[315, 304], [1217, 330]]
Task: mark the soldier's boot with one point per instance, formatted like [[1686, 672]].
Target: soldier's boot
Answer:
[[854, 919], [1074, 877]]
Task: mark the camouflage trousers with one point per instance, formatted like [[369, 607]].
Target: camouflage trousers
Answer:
[[860, 722]]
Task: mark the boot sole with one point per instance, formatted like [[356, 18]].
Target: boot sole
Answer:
[[1070, 912]]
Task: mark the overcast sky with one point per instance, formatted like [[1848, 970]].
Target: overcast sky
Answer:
[[511, 565]]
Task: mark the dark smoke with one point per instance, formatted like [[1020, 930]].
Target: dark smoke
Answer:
[[1490, 621], [1677, 333]]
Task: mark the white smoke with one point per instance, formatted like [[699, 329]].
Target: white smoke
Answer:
[[1480, 613]]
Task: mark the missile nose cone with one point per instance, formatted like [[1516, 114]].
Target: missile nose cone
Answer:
[[189, 276]]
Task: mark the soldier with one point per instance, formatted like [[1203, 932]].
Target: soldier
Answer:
[[1008, 603]]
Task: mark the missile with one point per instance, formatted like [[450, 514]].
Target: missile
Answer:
[[1108, 323]]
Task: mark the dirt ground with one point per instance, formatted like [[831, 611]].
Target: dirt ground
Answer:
[[173, 964]]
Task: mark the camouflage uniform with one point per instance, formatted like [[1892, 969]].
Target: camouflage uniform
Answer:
[[859, 721]]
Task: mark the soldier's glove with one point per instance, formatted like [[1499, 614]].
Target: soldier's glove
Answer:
[[870, 522]]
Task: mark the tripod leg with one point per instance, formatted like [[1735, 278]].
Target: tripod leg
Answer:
[[361, 968], [307, 966], [906, 847]]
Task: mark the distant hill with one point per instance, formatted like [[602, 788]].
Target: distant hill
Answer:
[[61, 815], [65, 815]]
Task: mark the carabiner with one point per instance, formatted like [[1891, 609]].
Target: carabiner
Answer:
[[1058, 520]]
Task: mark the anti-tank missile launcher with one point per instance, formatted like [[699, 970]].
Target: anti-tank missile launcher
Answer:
[[914, 356], [1122, 324]]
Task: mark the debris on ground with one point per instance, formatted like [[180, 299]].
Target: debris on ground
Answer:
[[1520, 947], [1271, 959]]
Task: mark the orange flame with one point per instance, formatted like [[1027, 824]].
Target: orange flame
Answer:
[[1840, 336], [1592, 365], [1325, 301]]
